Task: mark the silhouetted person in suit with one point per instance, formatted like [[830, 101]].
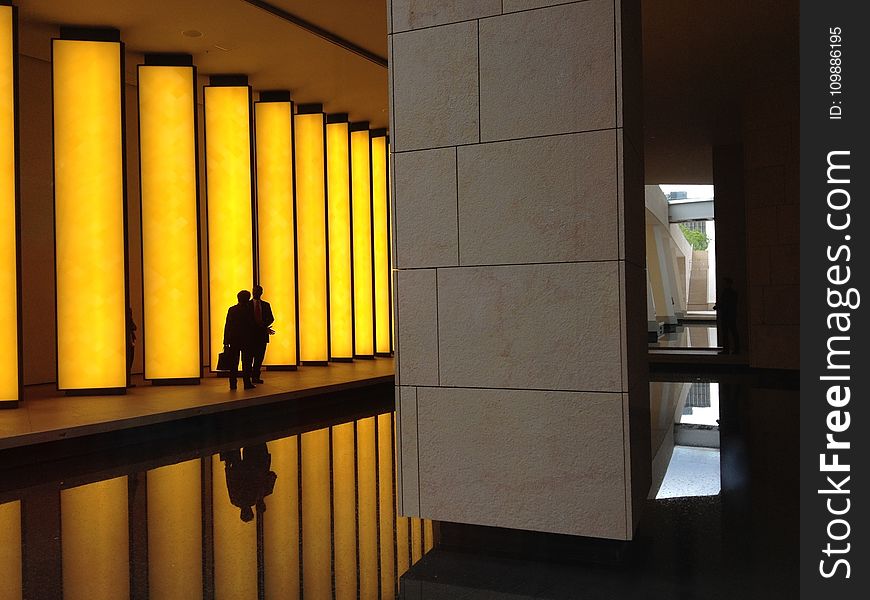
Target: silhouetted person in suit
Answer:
[[726, 315], [239, 332], [249, 479], [131, 344], [263, 319]]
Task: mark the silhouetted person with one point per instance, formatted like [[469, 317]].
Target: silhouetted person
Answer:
[[249, 479], [239, 332], [726, 315], [131, 344], [263, 319]]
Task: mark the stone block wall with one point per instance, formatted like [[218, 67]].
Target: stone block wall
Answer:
[[519, 275]]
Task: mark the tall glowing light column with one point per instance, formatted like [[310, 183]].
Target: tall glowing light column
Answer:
[[340, 235], [89, 210], [229, 189], [381, 243], [311, 260], [276, 226], [169, 183], [10, 293], [361, 203]]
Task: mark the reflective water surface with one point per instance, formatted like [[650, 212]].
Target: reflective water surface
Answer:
[[257, 509], [310, 515]]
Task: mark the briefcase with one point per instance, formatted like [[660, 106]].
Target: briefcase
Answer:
[[225, 361]]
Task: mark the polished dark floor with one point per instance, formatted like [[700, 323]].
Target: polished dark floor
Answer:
[[299, 502]]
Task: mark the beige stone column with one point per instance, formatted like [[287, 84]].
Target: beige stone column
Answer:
[[519, 263]]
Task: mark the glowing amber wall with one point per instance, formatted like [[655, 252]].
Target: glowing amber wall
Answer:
[[340, 262], [175, 531], [311, 228], [362, 244], [170, 246], [95, 546], [275, 226], [228, 185], [10, 551], [89, 214], [381, 237], [9, 359]]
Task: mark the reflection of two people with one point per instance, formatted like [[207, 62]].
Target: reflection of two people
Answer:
[[249, 479]]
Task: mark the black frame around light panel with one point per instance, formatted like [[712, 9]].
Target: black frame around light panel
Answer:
[[343, 118], [17, 201], [313, 109], [374, 133], [174, 60], [232, 80], [364, 126], [282, 96], [93, 34]]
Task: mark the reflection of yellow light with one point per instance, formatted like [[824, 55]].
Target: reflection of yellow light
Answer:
[[235, 543], [386, 495], [10, 550], [94, 537], [344, 511], [403, 552], [416, 539], [362, 244], [275, 225], [170, 248], [428, 536], [89, 215], [368, 510], [8, 272], [281, 535], [175, 531], [340, 289], [381, 245], [311, 228], [316, 538], [228, 180]]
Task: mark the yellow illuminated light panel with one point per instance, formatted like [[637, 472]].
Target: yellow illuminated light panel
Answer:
[[340, 282], [9, 384], [381, 238], [228, 184], [170, 247], [89, 215], [311, 228], [175, 531], [275, 225], [95, 542], [362, 245]]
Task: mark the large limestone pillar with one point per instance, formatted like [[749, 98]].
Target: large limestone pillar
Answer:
[[520, 289]]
